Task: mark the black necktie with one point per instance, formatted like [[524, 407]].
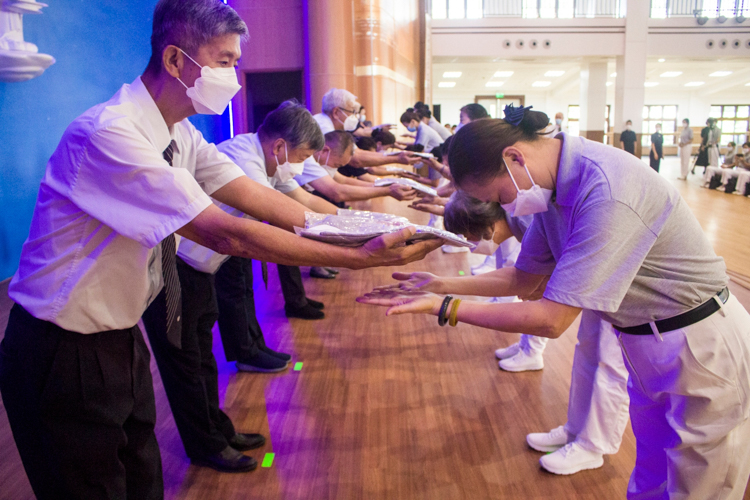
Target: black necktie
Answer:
[[171, 278]]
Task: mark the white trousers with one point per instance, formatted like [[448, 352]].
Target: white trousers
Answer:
[[685, 152], [710, 172], [690, 408], [533, 345], [713, 156], [598, 405]]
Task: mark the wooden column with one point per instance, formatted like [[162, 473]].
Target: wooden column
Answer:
[[329, 48]]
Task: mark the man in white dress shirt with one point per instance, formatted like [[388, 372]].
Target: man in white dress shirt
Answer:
[[126, 176]]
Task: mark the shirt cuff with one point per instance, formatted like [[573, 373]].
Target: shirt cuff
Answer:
[[582, 301], [221, 180], [189, 213]]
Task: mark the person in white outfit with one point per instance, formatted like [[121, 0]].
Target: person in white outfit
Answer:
[[685, 149], [598, 405], [714, 136], [617, 239]]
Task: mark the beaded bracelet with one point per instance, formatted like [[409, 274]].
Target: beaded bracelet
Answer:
[[442, 319], [454, 312]]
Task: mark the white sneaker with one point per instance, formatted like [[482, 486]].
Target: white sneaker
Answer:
[[570, 459], [452, 249], [522, 362], [508, 352], [548, 441]]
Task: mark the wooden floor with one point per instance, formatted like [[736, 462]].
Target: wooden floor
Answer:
[[398, 408]]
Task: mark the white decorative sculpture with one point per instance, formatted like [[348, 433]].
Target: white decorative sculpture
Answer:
[[19, 60]]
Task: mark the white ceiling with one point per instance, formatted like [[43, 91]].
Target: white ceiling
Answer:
[[476, 72]]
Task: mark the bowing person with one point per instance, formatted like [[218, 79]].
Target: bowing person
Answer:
[[618, 240], [127, 175]]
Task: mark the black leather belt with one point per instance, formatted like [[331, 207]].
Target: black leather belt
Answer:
[[691, 317]]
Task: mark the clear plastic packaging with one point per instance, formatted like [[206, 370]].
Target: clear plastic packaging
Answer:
[[387, 181], [353, 228]]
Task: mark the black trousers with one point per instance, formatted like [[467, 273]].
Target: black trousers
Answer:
[[189, 374], [241, 334], [82, 411]]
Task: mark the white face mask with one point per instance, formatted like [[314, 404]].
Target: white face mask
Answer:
[[528, 201], [558, 121], [486, 247], [328, 157], [286, 171], [350, 123], [628, 127], [213, 90]]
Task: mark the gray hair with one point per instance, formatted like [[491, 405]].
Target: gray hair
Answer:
[[292, 122], [471, 217], [339, 142], [339, 98], [189, 25]]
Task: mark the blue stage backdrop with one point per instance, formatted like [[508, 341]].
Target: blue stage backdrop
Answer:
[[99, 46]]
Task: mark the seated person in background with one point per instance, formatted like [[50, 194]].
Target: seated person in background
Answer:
[[729, 156]]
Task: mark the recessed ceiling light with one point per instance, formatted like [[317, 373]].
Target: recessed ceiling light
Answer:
[[609, 84], [447, 85], [671, 74], [721, 73], [452, 74], [662, 60], [650, 84], [613, 75], [503, 74], [554, 73], [494, 84], [541, 84], [694, 84]]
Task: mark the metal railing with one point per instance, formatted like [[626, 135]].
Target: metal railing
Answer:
[[562, 9], [700, 8]]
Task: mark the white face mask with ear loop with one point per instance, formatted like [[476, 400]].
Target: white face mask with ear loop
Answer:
[[212, 92], [286, 171], [350, 123], [528, 201], [486, 247]]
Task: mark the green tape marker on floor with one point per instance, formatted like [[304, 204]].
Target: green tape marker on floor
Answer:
[[461, 273], [268, 460], [297, 366]]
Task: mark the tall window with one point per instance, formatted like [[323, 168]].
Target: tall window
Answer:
[[574, 120], [732, 121], [550, 9], [659, 113]]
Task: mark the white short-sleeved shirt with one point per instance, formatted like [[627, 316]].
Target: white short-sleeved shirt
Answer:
[[314, 170], [427, 137], [438, 127], [246, 151], [107, 199], [618, 239]]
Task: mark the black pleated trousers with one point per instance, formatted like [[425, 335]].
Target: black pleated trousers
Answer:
[[189, 374], [82, 411]]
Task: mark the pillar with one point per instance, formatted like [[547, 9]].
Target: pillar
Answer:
[[631, 73], [329, 48], [593, 100]]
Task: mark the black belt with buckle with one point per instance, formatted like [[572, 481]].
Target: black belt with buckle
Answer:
[[691, 317]]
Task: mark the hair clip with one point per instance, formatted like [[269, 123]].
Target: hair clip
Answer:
[[514, 115]]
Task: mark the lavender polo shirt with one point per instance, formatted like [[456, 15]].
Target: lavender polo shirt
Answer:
[[618, 239]]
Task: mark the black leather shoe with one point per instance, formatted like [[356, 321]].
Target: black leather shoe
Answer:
[[244, 442], [317, 305], [319, 272], [227, 460], [305, 312], [281, 355], [261, 362]]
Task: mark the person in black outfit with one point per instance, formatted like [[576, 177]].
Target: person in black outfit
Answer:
[[628, 138], [702, 160], [655, 155]]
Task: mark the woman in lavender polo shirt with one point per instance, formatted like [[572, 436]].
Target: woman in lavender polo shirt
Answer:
[[617, 239]]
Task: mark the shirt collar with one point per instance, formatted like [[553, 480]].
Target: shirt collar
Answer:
[[161, 135], [569, 169], [256, 144]]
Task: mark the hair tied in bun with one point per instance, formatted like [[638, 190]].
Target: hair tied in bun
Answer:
[[514, 115]]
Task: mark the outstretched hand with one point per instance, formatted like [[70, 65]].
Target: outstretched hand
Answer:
[[403, 302], [390, 249], [413, 282]]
